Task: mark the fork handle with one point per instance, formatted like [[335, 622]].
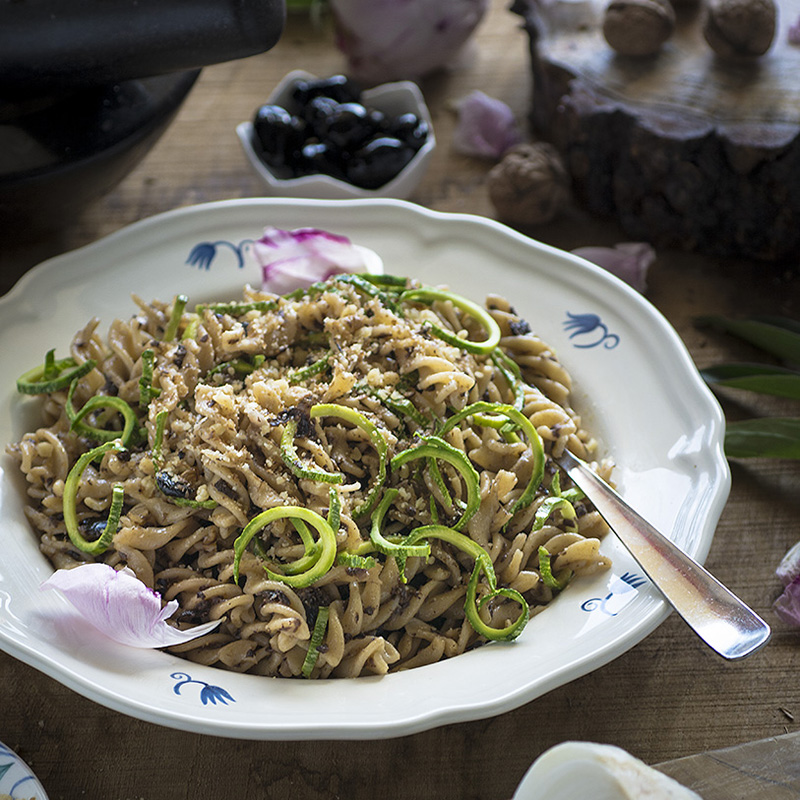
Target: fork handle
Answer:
[[715, 614]]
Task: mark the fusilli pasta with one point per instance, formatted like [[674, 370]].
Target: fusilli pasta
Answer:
[[355, 400]]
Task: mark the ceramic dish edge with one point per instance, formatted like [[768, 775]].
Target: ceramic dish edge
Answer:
[[651, 609]]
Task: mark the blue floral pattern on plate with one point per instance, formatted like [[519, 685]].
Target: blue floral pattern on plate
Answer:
[[590, 331], [202, 255], [16, 779], [621, 591], [208, 693]]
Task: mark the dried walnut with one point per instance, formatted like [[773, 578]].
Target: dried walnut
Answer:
[[740, 28], [638, 27], [530, 185]]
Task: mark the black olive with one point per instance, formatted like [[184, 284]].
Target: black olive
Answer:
[[226, 488], [409, 129], [316, 111], [318, 158], [312, 599], [193, 616], [378, 120], [346, 127], [378, 161], [519, 327], [279, 134], [173, 486], [337, 87], [300, 413], [93, 529]]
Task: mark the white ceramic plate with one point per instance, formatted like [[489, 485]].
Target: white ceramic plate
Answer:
[[635, 386], [16, 777]]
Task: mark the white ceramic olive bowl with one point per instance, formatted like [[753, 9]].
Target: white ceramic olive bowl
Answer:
[[392, 99]]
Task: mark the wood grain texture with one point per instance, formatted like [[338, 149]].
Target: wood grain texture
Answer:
[[683, 148], [667, 698], [767, 768]]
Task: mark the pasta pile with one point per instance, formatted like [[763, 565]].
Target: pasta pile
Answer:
[[355, 478]]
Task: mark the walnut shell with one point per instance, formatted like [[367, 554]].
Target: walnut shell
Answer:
[[530, 185], [740, 28], [638, 27]]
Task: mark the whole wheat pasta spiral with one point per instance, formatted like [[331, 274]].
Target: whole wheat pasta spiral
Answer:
[[353, 479]]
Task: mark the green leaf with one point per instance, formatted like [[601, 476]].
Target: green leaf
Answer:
[[767, 437], [780, 340], [776, 381], [779, 322]]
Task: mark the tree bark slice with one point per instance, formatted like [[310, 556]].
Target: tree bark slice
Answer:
[[684, 148]]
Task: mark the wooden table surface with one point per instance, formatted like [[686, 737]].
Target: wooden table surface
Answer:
[[666, 698]]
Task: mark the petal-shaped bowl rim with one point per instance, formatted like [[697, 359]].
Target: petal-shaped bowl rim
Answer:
[[395, 97]]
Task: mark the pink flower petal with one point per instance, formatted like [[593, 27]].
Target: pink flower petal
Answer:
[[389, 40], [295, 259], [486, 127], [629, 261], [793, 34], [789, 568], [119, 605], [787, 606]]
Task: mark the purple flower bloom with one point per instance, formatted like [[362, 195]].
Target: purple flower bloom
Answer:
[[794, 32], [119, 605], [789, 568], [389, 40], [295, 259], [486, 127], [787, 606], [629, 261]]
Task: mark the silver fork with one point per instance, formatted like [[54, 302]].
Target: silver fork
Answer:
[[715, 614]]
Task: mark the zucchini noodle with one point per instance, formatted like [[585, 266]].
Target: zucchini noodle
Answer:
[[356, 478]]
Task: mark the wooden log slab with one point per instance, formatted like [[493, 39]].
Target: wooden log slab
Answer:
[[683, 148]]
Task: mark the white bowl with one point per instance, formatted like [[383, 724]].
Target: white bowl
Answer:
[[576, 770], [630, 369], [392, 99]]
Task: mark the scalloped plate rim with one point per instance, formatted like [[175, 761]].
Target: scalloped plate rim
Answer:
[[434, 229]]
